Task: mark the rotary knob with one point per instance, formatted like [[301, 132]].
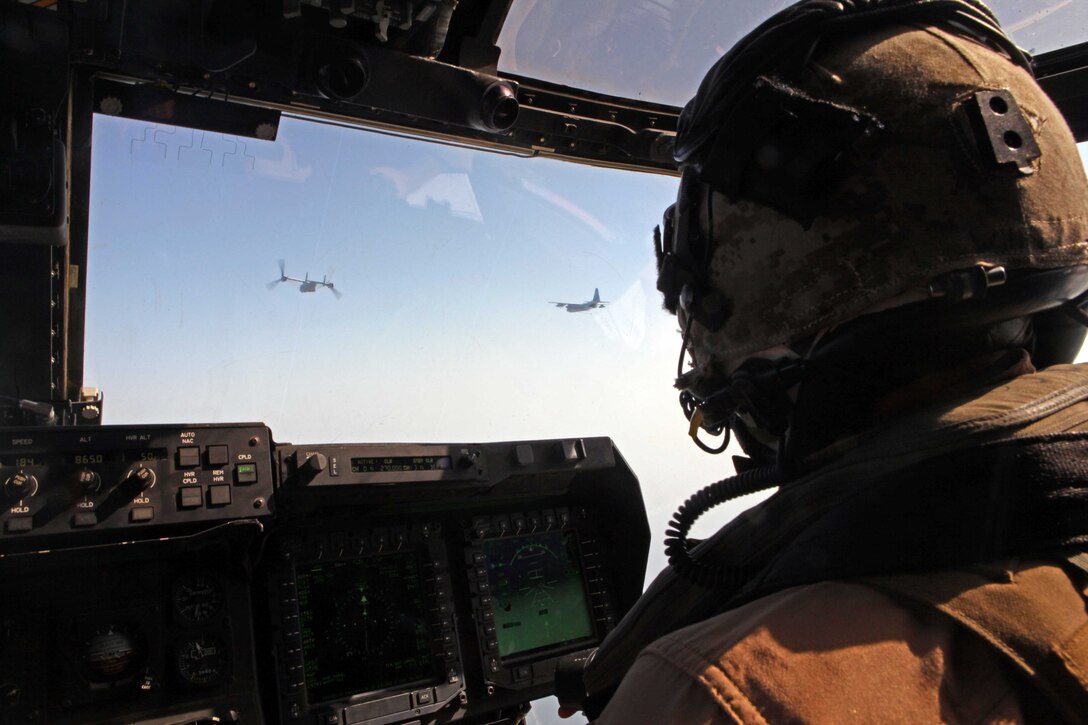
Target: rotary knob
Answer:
[[310, 464], [141, 478], [20, 485], [88, 481]]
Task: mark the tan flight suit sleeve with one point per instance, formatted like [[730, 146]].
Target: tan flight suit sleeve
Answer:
[[657, 690], [831, 652]]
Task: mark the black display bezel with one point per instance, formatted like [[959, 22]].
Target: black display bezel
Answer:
[[352, 693], [532, 668], [568, 536], [325, 541]]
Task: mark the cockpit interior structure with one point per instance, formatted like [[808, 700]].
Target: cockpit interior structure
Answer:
[[225, 505]]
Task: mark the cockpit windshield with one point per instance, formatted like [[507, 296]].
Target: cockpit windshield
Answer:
[[659, 50], [447, 267]]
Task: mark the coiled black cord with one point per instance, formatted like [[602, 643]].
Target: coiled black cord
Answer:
[[677, 545]]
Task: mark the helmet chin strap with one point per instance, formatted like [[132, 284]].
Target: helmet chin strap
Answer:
[[689, 404]]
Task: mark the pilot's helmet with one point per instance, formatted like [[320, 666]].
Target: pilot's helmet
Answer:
[[841, 160]]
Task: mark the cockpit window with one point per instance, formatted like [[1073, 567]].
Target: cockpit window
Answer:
[[650, 50], [1040, 26], [423, 295], [659, 50]]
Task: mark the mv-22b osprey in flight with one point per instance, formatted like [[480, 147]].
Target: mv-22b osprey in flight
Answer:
[[305, 284], [582, 306]]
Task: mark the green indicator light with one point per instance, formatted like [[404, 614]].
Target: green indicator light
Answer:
[[245, 473]]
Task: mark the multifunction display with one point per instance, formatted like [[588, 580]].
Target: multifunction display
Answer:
[[539, 592], [364, 622], [364, 625]]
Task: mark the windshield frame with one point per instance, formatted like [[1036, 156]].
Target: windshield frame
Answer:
[[1063, 73]]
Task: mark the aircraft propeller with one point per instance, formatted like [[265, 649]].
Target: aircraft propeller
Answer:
[[326, 281], [283, 274]]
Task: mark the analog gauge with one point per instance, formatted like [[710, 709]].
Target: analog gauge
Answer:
[[112, 654], [198, 599], [202, 660]]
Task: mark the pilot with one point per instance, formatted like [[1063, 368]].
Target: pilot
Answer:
[[878, 259]]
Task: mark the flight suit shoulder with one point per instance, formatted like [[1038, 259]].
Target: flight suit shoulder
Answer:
[[827, 652]]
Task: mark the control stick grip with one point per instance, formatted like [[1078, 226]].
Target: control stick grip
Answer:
[[570, 685]]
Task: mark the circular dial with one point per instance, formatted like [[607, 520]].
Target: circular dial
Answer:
[[111, 654], [141, 477], [198, 599], [202, 660], [21, 485], [88, 481]]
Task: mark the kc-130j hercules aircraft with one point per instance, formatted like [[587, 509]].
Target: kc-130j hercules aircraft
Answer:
[[582, 306], [305, 284]]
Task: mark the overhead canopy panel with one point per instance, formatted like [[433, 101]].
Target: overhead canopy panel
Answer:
[[659, 50]]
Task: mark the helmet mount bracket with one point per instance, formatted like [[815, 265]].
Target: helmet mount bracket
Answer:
[[992, 123]]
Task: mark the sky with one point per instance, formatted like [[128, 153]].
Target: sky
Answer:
[[447, 260]]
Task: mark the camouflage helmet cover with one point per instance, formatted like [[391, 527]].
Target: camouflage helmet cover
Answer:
[[919, 204]]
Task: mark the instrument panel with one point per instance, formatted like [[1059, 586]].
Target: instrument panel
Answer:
[[373, 583], [130, 633], [66, 485]]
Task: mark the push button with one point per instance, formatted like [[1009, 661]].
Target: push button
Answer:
[[218, 495], [245, 473], [188, 457], [524, 454], [19, 525], [83, 519], [218, 455], [191, 497], [140, 514], [570, 451]]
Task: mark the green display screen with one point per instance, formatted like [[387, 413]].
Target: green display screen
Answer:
[[24, 459], [75, 458], [397, 464], [364, 625], [146, 454], [538, 592]]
